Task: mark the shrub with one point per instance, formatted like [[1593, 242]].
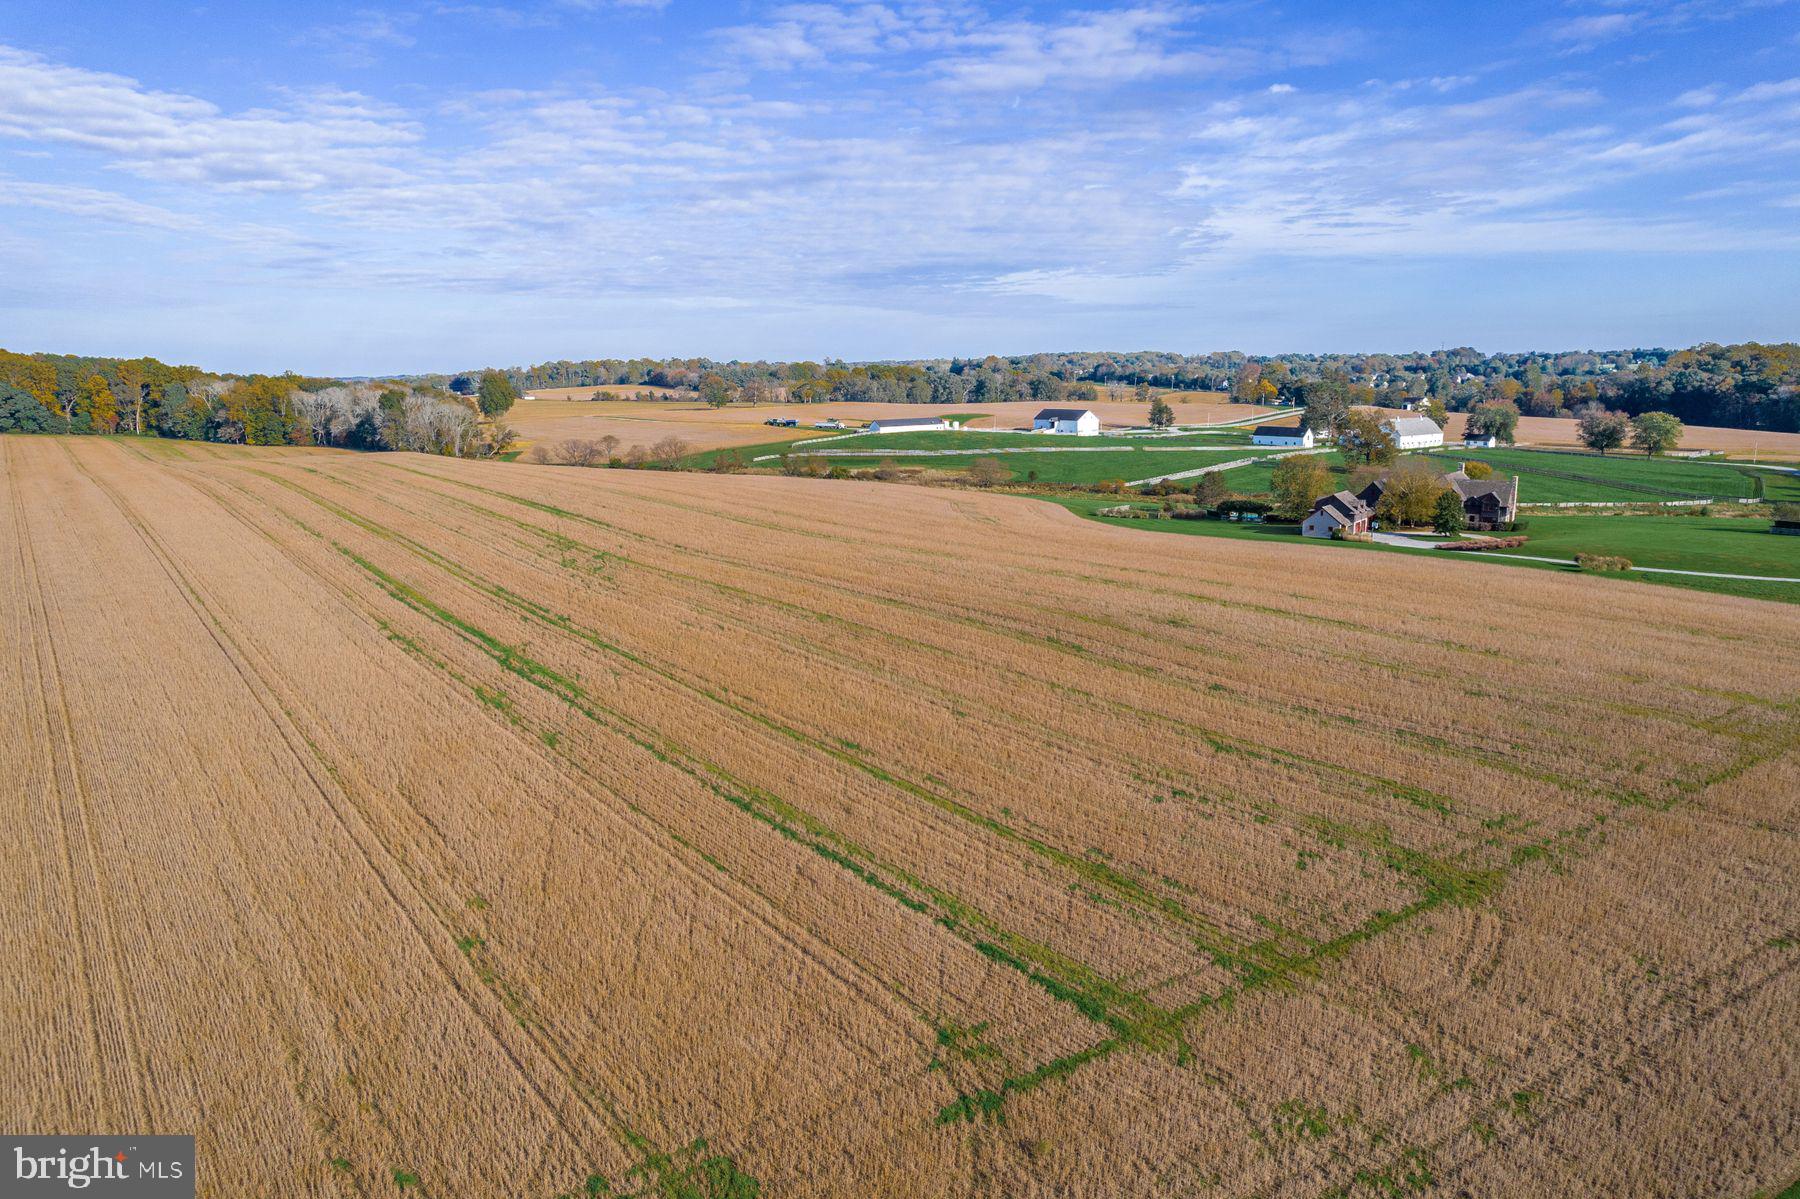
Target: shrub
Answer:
[[1787, 514], [1478, 470], [1602, 563], [988, 472], [1485, 543], [1110, 487], [1243, 507]]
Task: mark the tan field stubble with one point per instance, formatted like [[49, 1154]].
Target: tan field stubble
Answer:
[[512, 825]]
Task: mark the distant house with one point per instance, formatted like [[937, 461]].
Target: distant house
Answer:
[[1485, 441], [1487, 503], [907, 424], [1340, 510], [1079, 421], [1298, 436], [1415, 432]]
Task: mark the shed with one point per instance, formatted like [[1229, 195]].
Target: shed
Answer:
[[1082, 422]]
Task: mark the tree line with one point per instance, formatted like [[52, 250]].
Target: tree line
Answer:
[[59, 393], [1752, 386]]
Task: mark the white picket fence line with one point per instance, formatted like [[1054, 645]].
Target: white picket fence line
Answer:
[[1233, 465], [1644, 503]]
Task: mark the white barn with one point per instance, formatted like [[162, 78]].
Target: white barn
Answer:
[[1415, 432], [908, 424], [1293, 436], [1080, 421], [1486, 441]]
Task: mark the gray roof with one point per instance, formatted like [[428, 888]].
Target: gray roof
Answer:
[[1505, 490], [1280, 431], [1345, 503], [1413, 426], [1061, 413], [907, 420]]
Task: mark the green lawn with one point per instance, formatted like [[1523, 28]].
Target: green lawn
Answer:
[[1734, 545], [1052, 467], [1729, 546], [1559, 476]]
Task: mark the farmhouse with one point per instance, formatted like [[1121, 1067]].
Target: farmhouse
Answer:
[[907, 424], [1415, 432], [1487, 503], [1340, 510], [1079, 421], [1287, 435]]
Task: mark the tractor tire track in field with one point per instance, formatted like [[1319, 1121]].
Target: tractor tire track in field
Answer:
[[396, 881], [984, 623], [1128, 889], [94, 926], [796, 937], [1094, 997]]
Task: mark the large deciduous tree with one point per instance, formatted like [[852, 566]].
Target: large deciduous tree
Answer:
[[496, 393], [1297, 482], [1602, 429], [1498, 419], [1655, 432], [99, 405], [1366, 437]]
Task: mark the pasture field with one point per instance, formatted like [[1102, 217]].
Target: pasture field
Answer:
[[1735, 443], [1081, 467], [528, 831], [1551, 476], [1565, 476], [1739, 545], [741, 425]]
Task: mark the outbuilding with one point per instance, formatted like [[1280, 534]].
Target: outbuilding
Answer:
[[908, 424], [1415, 432], [1293, 436], [1484, 441], [1080, 421]]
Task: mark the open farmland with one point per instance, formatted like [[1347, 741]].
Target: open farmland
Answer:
[[1735, 443], [606, 832], [645, 422]]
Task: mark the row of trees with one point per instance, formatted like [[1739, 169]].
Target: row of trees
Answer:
[[1602, 428], [42, 393]]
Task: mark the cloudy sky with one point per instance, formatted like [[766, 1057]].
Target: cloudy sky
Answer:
[[381, 187]]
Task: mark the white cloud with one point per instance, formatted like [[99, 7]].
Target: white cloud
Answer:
[[1583, 33], [320, 138]]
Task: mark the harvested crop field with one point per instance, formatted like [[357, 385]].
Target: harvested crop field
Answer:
[[1734, 443], [534, 832], [643, 423]]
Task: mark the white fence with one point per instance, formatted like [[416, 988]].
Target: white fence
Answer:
[[1218, 466]]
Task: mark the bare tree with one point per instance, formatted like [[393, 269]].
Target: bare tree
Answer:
[[579, 451], [669, 449]]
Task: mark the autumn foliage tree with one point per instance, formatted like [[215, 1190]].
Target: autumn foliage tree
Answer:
[[98, 405], [1297, 482]]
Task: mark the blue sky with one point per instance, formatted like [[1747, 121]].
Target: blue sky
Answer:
[[383, 187]]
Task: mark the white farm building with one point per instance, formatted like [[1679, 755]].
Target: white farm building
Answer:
[[1415, 432], [1080, 421], [1292, 436], [908, 424]]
